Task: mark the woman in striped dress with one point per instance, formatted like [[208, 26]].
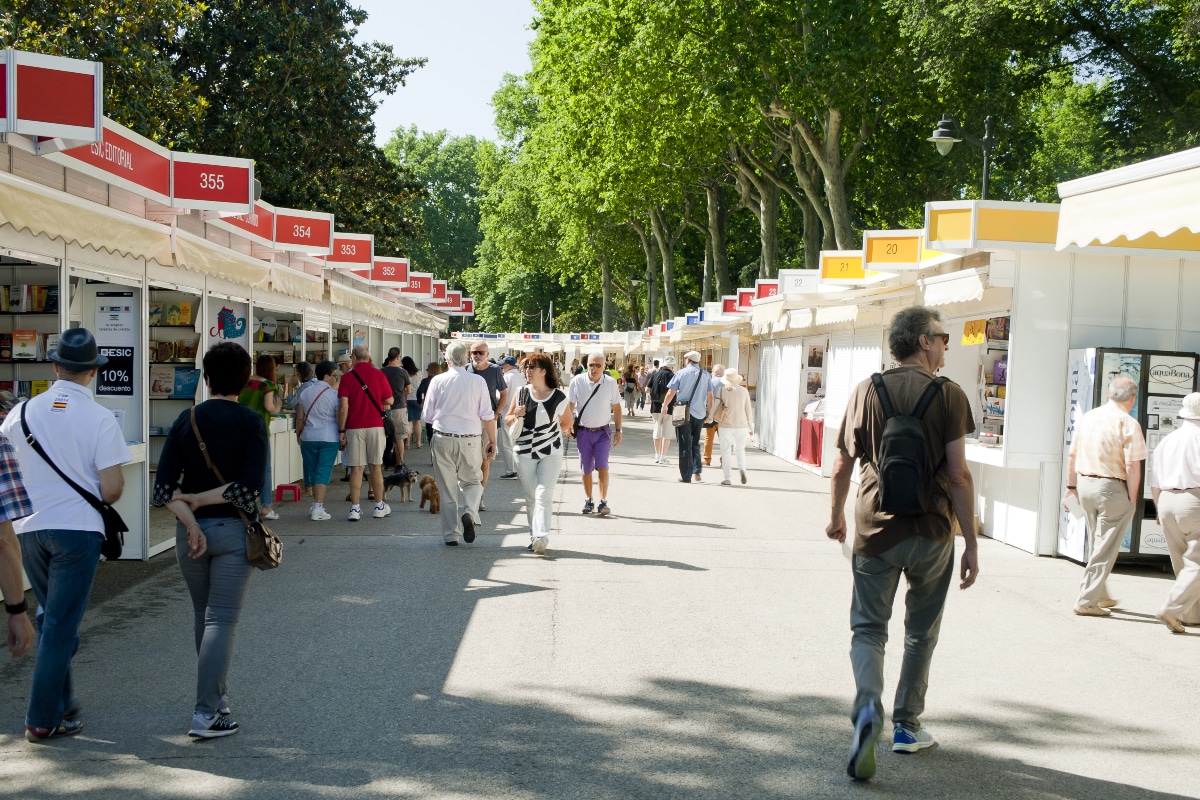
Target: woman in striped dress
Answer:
[[542, 407]]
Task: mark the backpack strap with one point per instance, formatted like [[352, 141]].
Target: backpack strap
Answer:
[[885, 399], [931, 391]]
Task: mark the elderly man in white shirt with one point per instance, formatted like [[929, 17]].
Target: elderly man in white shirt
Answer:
[[513, 381], [458, 406], [1175, 484]]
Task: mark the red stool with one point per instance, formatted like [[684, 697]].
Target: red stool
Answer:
[[289, 488]]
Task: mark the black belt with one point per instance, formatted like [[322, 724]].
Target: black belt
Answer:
[[602, 428], [1101, 477], [458, 435]]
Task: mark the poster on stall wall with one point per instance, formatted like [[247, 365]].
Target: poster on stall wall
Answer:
[[1081, 379], [1161, 420], [1171, 375], [226, 322], [115, 339]]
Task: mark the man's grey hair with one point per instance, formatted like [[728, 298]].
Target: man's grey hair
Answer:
[[457, 353], [1122, 389], [598, 355], [482, 342], [362, 352], [907, 328], [718, 370]]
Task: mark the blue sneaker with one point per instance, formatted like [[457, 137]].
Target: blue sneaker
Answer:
[[908, 741], [589, 506], [861, 765]]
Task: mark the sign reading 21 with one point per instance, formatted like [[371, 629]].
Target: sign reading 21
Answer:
[[229, 325]]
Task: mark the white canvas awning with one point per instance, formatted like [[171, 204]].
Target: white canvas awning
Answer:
[[1159, 197], [957, 287]]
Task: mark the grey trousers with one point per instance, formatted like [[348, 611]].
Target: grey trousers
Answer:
[[1179, 513], [928, 567], [218, 582], [506, 446], [457, 466], [1108, 512]]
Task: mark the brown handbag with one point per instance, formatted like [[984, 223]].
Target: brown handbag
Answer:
[[264, 549]]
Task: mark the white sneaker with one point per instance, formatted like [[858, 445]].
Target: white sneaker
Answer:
[[318, 514], [355, 514], [382, 510], [539, 545], [482, 507], [657, 459], [270, 515], [665, 460]]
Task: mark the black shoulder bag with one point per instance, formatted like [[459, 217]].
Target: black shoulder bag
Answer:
[[575, 423], [114, 527], [389, 427]]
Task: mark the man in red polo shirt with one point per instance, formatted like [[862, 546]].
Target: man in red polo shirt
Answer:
[[362, 393]]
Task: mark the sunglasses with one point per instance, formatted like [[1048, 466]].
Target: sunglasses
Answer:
[[945, 337], [479, 352]]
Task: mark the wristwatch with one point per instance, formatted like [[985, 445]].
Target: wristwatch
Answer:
[[17, 608]]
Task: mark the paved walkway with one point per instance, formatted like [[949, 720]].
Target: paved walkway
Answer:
[[692, 645]]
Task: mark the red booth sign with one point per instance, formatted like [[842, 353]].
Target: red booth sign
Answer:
[[352, 251], [729, 305], [766, 289], [122, 158], [453, 302], [259, 227], [744, 298], [468, 305], [420, 286], [437, 291], [51, 96], [304, 231], [212, 183], [389, 271]]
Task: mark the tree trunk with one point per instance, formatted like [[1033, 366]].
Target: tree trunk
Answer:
[[633, 304], [768, 229], [706, 279], [648, 247], [812, 237], [718, 214], [606, 310], [666, 253]]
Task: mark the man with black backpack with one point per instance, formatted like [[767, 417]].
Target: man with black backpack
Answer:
[[908, 429], [660, 412]]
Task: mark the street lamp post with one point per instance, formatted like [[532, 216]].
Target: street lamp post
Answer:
[[948, 132]]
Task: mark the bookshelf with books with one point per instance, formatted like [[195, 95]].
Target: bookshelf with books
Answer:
[[29, 325], [994, 385], [280, 334], [174, 357]]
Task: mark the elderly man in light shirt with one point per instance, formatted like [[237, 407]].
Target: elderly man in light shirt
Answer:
[[1175, 484], [458, 406], [1104, 471]]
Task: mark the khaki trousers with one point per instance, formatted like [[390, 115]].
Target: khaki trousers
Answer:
[[709, 433], [1108, 512], [456, 466], [1179, 513]]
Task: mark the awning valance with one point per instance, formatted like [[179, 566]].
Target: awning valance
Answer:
[[200, 255], [297, 284], [1156, 198], [44, 211], [361, 303], [957, 287], [834, 315]]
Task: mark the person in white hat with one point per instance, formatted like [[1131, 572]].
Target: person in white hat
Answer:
[[732, 412], [1175, 485]]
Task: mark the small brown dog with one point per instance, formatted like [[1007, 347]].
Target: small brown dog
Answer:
[[430, 493]]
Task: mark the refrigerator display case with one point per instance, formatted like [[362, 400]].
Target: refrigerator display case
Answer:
[[1163, 379]]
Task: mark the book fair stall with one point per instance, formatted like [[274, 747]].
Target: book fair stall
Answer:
[[163, 254]]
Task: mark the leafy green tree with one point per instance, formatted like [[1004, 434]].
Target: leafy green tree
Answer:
[[447, 167], [135, 40]]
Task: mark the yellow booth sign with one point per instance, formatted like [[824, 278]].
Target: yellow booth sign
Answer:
[[842, 265]]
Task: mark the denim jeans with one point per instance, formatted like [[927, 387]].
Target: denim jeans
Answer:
[[689, 436], [218, 582], [266, 498], [538, 479], [61, 566], [928, 567]]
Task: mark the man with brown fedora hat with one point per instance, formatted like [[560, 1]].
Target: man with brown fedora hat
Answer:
[[62, 537]]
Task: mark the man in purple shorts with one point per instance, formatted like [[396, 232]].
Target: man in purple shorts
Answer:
[[595, 402]]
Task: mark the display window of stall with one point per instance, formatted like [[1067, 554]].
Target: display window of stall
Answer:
[[317, 341], [173, 355], [29, 325], [341, 343], [277, 333]]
